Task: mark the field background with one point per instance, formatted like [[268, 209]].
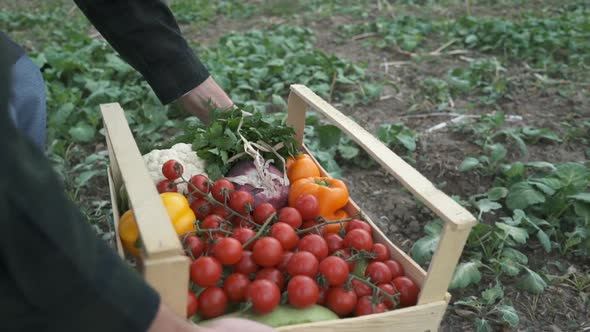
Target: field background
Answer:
[[512, 75]]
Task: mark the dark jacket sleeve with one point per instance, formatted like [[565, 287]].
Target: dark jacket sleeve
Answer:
[[146, 35], [55, 273]]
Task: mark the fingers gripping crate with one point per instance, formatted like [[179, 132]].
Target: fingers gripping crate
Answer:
[[166, 269]]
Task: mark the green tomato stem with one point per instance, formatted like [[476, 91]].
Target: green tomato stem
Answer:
[[260, 231], [392, 298]]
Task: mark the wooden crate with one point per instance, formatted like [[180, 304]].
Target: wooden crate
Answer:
[[166, 268]]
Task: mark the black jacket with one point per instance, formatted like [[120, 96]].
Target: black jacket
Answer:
[[55, 274]]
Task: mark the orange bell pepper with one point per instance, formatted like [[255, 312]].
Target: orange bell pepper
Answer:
[[332, 194], [337, 215], [302, 167], [177, 206]]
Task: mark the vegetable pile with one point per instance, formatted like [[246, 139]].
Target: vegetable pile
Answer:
[[264, 240]]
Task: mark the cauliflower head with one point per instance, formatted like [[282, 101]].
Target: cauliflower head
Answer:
[[181, 152]]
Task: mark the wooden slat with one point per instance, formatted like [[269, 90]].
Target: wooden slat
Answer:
[[442, 266], [157, 233], [296, 116], [412, 319], [116, 216], [170, 278], [444, 206]]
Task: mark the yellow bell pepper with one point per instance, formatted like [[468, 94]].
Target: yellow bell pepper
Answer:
[[182, 216]]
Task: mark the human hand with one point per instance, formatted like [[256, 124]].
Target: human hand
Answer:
[[196, 101]]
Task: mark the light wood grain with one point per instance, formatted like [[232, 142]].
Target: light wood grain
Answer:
[[412, 319], [170, 277], [442, 266], [157, 233], [444, 206], [116, 216], [296, 108]]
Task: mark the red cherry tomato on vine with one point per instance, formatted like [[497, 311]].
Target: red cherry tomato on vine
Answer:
[[212, 302], [309, 225], [241, 201], [202, 208], [334, 241], [228, 250], [408, 291], [389, 289], [358, 224], [397, 270], [221, 188], [246, 265], [272, 274], [303, 291], [290, 216], [365, 306], [267, 252], [264, 295], [381, 252], [221, 211], [202, 184], [345, 254], [285, 261], [378, 272], [205, 271], [341, 301], [314, 244], [262, 212], [212, 221], [195, 245], [303, 263], [308, 206], [285, 234], [359, 240], [192, 304], [360, 288], [165, 186], [235, 287], [335, 270], [243, 235], [172, 169]]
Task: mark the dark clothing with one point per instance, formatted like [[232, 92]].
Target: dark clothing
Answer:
[[55, 273], [147, 36], [10, 50]]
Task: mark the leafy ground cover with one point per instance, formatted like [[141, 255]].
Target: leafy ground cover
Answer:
[[511, 75]]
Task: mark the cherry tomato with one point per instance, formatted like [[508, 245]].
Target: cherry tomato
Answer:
[[243, 235], [322, 295], [302, 291], [334, 241], [264, 295], [221, 211], [202, 183], [284, 261], [389, 289], [364, 306], [242, 222], [358, 224], [303, 263], [308, 224], [291, 216], [267, 252], [308, 206], [345, 254], [212, 221], [221, 188], [381, 252], [166, 186], [246, 265], [241, 201], [360, 288], [285, 234], [314, 244], [272, 274], [192, 304], [172, 169], [212, 302], [194, 244], [235, 286], [335, 270], [202, 208], [262, 212], [228, 250], [408, 291], [378, 272], [205, 271], [341, 301], [359, 240], [397, 270]]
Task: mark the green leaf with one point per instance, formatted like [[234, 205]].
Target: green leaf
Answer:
[[522, 194], [491, 295], [86, 176], [466, 274], [515, 255], [498, 152], [407, 141], [482, 325], [540, 165], [509, 266], [544, 240], [546, 185], [582, 210], [468, 164], [329, 136], [496, 193], [573, 174], [519, 235], [82, 133], [532, 282], [485, 205], [582, 197], [509, 314], [424, 248], [348, 151], [279, 101]]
